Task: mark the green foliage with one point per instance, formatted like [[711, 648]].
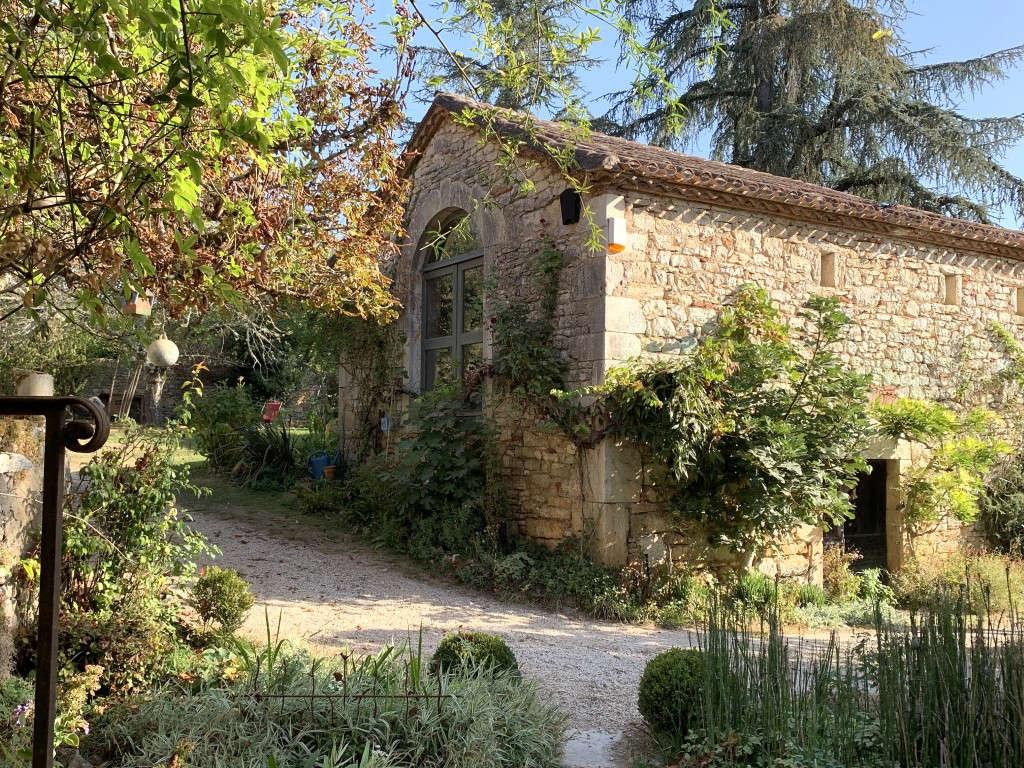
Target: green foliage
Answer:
[[829, 93], [669, 696], [757, 430], [101, 196], [810, 595], [1001, 506], [840, 582], [287, 709], [221, 595], [218, 416], [929, 694], [124, 536], [754, 589], [983, 582], [963, 448], [524, 361], [460, 650], [56, 346], [227, 430], [430, 498], [873, 587], [128, 646], [16, 704]]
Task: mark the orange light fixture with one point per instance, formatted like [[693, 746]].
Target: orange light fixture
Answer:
[[616, 234]]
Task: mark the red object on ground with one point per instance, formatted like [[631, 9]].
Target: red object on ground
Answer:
[[270, 411]]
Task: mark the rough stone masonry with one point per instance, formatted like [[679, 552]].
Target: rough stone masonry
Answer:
[[922, 290]]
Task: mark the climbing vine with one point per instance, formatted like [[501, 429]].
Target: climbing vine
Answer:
[[756, 430]]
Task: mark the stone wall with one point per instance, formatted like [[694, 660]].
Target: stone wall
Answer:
[[921, 316], [21, 486], [539, 470], [921, 319]]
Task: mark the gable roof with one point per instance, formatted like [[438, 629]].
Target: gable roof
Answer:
[[643, 167]]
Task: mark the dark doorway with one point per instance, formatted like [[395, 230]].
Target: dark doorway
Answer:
[[865, 533]]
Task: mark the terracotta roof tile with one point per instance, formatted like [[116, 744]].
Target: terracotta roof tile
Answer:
[[642, 167]]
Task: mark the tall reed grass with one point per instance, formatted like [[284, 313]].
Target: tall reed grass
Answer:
[[947, 692]]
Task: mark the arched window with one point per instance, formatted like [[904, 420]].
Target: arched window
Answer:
[[453, 299]]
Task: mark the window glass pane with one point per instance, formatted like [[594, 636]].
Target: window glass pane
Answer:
[[461, 239], [450, 238], [472, 299], [438, 306], [437, 366]]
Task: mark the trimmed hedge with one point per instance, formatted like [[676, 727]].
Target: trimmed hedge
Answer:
[[670, 691], [476, 649]]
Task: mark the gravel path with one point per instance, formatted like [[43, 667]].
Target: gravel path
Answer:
[[334, 593]]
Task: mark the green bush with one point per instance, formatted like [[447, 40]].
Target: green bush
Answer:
[[124, 535], [129, 645], [271, 715], [810, 595], [473, 649], [754, 589], [874, 589], [221, 595], [217, 420], [429, 499], [841, 583], [670, 691], [983, 582], [1001, 507]]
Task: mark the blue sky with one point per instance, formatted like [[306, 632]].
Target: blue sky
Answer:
[[950, 29]]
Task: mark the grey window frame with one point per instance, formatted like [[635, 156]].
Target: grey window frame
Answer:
[[456, 266]]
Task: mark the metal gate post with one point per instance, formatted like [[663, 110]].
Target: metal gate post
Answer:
[[61, 434]]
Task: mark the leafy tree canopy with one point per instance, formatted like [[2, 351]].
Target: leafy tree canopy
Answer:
[[208, 151], [828, 92]]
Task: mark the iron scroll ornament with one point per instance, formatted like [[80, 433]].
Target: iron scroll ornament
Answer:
[[79, 436]]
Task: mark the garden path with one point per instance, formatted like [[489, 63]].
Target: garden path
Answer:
[[333, 593]]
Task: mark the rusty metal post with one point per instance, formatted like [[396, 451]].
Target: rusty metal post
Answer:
[[61, 434]]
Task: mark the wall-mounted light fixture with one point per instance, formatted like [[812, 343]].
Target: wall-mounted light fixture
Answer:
[[571, 205], [616, 234]]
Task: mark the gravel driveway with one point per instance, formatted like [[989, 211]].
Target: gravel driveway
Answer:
[[333, 593]]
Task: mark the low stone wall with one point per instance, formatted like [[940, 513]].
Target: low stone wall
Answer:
[[21, 484]]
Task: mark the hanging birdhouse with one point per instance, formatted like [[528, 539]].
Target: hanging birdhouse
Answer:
[[138, 305], [163, 353]]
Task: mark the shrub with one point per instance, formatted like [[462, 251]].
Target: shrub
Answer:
[[810, 595], [983, 582], [430, 499], [1001, 507], [221, 595], [754, 589], [124, 535], [473, 649], [16, 701], [840, 582], [217, 419], [670, 691], [874, 589], [128, 646], [271, 715]]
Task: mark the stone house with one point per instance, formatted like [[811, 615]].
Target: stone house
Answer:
[[685, 233]]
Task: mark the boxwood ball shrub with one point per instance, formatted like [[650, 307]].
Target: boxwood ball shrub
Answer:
[[221, 595], [473, 649], [670, 691]]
